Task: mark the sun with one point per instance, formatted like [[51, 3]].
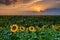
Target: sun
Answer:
[[36, 8]]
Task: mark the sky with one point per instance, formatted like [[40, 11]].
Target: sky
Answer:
[[29, 7]]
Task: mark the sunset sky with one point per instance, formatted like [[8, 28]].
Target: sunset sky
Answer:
[[29, 7]]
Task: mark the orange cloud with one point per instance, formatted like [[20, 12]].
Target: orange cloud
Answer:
[[20, 7]]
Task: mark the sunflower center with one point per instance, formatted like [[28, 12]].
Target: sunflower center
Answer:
[[31, 28], [22, 28], [14, 27]]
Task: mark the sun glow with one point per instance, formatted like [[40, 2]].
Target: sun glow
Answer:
[[37, 8]]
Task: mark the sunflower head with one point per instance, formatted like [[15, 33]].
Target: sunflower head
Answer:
[[53, 27], [44, 27], [14, 28], [26, 29], [22, 28], [59, 27], [1, 28], [38, 28], [32, 29]]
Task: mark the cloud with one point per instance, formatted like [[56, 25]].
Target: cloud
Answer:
[[20, 6]]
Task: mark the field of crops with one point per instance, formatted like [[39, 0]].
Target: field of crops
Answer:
[[29, 27]]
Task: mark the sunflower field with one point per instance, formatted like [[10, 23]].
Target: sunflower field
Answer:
[[29, 27]]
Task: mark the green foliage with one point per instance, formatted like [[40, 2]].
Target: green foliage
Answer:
[[44, 34]]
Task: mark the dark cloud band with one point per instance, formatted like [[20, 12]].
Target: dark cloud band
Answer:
[[7, 2]]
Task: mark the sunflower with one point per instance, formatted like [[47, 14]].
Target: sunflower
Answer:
[[14, 28], [38, 28], [53, 27], [1, 28], [32, 29], [59, 27], [22, 28], [44, 27], [26, 29]]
